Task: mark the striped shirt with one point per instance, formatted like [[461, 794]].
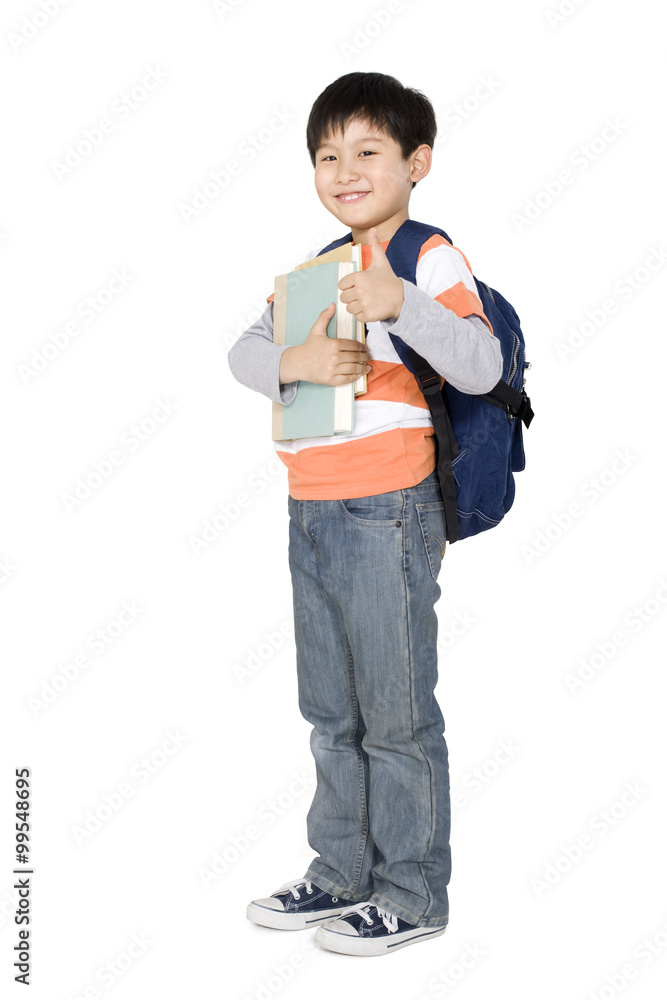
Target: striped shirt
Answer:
[[392, 445]]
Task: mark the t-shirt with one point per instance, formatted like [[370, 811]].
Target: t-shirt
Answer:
[[392, 444]]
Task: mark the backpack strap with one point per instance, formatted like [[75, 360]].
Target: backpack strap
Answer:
[[336, 244], [516, 403], [446, 446], [402, 253]]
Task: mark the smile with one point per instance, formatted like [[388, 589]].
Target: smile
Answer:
[[352, 196]]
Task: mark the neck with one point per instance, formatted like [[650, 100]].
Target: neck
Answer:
[[385, 230]]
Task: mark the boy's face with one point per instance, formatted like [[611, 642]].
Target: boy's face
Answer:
[[362, 179]]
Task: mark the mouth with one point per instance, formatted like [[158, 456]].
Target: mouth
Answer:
[[351, 197]]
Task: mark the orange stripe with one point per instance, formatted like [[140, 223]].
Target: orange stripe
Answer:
[[367, 253], [459, 298], [438, 241], [391, 460], [463, 302], [431, 243], [392, 382]]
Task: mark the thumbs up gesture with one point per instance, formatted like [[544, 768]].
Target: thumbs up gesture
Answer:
[[375, 293]]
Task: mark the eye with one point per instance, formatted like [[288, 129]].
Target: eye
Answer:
[[371, 152]]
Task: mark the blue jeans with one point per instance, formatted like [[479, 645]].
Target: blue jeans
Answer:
[[364, 580]]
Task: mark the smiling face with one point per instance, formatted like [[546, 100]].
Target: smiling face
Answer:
[[362, 179]]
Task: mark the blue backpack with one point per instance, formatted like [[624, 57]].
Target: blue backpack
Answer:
[[479, 442]]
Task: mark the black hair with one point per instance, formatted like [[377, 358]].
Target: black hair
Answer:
[[405, 114]]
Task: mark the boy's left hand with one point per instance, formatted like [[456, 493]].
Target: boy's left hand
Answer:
[[375, 293]]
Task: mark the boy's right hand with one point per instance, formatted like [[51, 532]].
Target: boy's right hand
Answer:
[[323, 359]]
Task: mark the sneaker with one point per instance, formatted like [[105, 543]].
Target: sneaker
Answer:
[[287, 909], [365, 929]]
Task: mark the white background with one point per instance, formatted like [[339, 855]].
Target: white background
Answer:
[[543, 591]]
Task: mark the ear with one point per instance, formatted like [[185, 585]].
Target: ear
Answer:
[[420, 162]]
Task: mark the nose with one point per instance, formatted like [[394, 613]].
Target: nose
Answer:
[[347, 171]]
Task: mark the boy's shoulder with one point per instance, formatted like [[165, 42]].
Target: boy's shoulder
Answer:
[[432, 243], [422, 237]]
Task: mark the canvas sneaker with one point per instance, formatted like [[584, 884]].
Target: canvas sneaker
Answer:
[[295, 906], [365, 929]]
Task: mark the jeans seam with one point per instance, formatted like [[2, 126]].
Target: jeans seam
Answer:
[[412, 716], [354, 701], [313, 511]]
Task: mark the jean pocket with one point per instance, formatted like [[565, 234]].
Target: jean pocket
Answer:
[[384, 509], [432, 523]]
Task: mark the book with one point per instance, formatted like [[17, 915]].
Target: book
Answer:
[[300, 296], [346, 252]]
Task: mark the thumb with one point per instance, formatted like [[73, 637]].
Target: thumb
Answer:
[[322, 321], [379, 256]]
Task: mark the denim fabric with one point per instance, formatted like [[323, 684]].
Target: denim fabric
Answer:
[[364, 580]]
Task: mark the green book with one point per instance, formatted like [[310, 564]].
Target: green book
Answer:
[[299, 297]]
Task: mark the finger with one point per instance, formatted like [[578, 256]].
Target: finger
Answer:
[[379, 258], [352, 359], [351, 345], [356, 371], [322, 320], [347, 358], [347, 281], [354, 307]]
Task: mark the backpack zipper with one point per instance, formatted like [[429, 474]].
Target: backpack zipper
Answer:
[[489, 290], [515, 358], [526, 366], [514, 364]]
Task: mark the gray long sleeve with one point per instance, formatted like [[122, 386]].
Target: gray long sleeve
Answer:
[[463, 351], [255, 360]]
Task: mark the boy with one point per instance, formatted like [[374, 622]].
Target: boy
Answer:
[[367, 535]]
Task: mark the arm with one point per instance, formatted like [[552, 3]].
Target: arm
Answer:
[[255, 361], [442, 319], [276, 369], [462, 350]]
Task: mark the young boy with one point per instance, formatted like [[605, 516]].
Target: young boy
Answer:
[[367, 535]]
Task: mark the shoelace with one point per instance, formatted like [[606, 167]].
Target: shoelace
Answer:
[[293, 887], [388, 919]]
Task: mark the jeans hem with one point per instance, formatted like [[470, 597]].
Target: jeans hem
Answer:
[[333, 888], [388, 904]]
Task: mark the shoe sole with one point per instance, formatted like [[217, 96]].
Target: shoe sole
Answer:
[[289, 921], [348, 944]]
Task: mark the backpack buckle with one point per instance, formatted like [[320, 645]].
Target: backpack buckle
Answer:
[[525, 411], [430, 384]]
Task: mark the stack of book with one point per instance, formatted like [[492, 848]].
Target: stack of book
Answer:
[[299, 297]]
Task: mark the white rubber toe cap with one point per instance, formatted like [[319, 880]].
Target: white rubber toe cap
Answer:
[[270, 903], [341, 927]]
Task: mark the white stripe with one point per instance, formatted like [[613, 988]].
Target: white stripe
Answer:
[[439, 269], [380, 345], [442, 267], [371, 416]]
